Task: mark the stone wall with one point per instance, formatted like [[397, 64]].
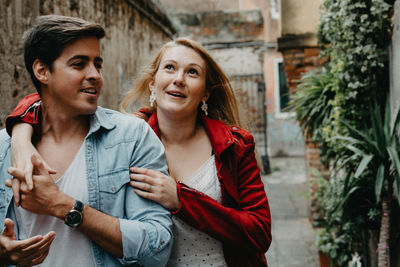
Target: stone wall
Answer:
[[134, 32]]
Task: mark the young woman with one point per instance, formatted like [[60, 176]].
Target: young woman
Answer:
[[221, 212]]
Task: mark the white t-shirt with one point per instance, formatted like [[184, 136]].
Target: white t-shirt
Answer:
[[70, 247]]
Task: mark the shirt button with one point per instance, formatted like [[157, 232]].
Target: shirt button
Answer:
[[235, 128]]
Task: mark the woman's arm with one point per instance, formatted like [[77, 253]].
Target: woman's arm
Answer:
[[20, 125], [27, 110]]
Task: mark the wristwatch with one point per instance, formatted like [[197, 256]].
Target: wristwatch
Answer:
[[74, 217]]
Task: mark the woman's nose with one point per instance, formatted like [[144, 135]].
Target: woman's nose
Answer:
[[179, 79]]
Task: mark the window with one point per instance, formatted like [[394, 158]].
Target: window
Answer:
[[274, 9], [281, 92]]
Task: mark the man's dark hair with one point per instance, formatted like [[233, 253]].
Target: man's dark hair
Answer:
[[48, 37]]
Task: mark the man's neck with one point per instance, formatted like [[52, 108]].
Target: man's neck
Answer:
[[60, 138], [62, 126]]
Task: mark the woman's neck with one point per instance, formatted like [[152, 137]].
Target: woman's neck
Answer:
[[177, 130]]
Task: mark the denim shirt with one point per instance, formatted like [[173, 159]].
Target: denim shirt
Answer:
[[114, 143]]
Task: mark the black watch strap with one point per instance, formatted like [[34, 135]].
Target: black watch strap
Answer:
[[74, 217], [78, 206]]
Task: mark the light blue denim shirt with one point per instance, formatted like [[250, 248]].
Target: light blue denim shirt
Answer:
[[114, 143]]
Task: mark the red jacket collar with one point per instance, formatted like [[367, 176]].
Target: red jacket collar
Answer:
[[220, 135]]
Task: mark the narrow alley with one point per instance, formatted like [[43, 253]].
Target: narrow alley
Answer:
[[292, 234]]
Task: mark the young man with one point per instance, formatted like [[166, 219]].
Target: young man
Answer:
[[85, 213]]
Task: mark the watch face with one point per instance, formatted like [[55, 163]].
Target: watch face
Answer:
[[73, 218]]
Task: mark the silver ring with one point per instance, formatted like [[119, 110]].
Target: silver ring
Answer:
[[148, 188]]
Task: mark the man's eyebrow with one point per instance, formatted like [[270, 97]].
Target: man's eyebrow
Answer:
[[97, 59]]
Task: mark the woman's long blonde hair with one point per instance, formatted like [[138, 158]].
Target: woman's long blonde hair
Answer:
[[222, 104]]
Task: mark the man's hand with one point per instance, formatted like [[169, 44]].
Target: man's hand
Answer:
[[45, 195], [21, 152], [28, 252]]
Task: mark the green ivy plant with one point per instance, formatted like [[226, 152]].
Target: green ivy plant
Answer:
[[354, 35]]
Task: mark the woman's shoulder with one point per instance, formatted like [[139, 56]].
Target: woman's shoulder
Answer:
[[241, 133], [238, 133]]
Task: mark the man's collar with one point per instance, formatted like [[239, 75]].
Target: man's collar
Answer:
[[101, 119]]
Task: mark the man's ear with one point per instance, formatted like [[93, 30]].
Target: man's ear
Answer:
[[41, 71]]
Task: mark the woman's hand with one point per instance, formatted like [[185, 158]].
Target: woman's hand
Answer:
[[21, 151], [155, 186]]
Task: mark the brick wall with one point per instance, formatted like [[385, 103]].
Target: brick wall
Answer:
[[298, 61]]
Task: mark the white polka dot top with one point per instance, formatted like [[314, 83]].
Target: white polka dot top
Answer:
[[193, 247]]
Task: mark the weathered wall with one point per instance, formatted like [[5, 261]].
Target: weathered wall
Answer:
[[222, 26], [244, 66], [134, 32], [299, 17], [194, 6], [15, 16]]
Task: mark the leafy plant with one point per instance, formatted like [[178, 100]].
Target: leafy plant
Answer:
[[355, 35], [336, 101], [319, 185], [340, 233], [311, 101], [378, 147], [313, 105]]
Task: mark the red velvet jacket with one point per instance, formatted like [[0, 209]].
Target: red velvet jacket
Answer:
[[243, 221]]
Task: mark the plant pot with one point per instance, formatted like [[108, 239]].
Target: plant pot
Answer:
[[324, 260]]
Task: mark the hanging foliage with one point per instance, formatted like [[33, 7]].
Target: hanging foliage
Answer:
[[355, 36]]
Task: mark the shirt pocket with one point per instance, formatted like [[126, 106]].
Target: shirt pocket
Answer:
[[112, 189]]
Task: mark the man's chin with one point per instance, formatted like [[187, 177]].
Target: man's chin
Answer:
[[88, 110]]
